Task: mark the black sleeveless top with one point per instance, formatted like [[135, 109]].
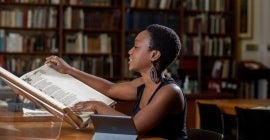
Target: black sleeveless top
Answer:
[[173, 126]]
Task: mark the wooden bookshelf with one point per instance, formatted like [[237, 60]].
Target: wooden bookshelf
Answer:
[[95, 35], [210, 44]]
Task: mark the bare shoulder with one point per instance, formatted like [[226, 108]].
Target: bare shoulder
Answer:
[[172, 88], [171, 93]]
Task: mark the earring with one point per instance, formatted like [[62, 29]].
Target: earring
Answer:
[[153, 74]]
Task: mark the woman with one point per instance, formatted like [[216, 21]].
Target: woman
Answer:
[[160, 106]]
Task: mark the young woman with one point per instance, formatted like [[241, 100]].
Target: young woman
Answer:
[[160, 106]]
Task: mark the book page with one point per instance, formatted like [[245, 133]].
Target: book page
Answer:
[[63, 87], [20, 85], [35, 112]]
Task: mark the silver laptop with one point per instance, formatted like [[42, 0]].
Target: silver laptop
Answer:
[[108, 127]]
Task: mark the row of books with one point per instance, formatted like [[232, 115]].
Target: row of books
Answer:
[[74, 43], [67, 2], [225, 86], [254, 89], [207, 5], [32, 1], [214, 24], [19, 65], [207, 46], [73, 18], [99, 66], [89, 2], [38, 17], [221, 69], [139, 20], [159, 4], [214, 86], [222, 75], [35, 42], [218, 79], [80, 43], [78, 18]]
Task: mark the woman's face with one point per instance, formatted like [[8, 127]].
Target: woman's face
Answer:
[[140, 54]]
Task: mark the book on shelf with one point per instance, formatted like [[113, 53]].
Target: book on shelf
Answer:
[[40, 17], [2, 40], [55, 92], [206, 5], [158, 4], [74, 43], [225, 72]]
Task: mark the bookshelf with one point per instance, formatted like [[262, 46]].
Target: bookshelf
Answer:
[[210, 44], [88, 34], [92, 36], [95, 35], [28, 32]]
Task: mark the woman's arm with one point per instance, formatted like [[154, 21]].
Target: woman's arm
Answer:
[[122, 91]]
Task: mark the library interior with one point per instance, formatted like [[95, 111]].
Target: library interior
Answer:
[[223, 66]]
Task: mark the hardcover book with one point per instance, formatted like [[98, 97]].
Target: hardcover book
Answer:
[[55, 92]]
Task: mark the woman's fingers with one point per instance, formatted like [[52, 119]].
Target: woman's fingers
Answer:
[[82, 106]]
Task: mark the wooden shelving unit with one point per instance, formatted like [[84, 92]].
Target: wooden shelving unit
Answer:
[[95, 36], [210, 45]]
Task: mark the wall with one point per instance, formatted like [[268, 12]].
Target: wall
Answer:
[[261, 34]]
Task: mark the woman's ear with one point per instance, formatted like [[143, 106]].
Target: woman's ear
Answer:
[[155, 55]]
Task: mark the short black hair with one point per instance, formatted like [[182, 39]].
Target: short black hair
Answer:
[[165, 40]]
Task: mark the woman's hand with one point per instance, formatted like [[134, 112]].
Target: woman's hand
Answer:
[[58, 64], [86, 106], [96, 107]]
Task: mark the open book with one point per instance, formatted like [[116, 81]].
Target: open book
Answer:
[[55, 92]]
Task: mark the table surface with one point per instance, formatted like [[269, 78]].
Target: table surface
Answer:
[[227, 106], [14, 126], [40, 131]]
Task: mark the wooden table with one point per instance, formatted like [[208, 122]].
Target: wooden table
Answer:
[[14, 126], [227, 106], [40, 131]]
